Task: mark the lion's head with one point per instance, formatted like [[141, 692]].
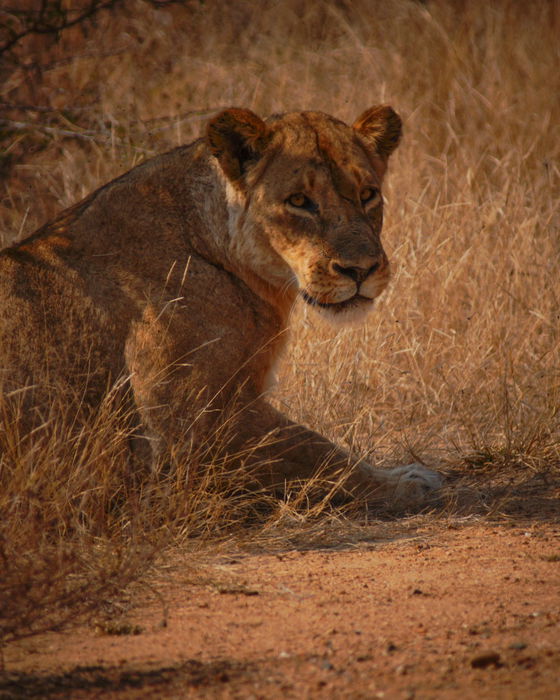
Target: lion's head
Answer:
[[306, 208]]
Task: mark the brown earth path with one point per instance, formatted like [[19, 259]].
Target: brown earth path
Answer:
[[462, 608]]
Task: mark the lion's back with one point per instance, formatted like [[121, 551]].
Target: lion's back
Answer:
[[53, 334]]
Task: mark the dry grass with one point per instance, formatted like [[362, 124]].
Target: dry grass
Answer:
[[460, 364]]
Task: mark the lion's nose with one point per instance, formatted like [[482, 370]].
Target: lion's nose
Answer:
[[358, 273]]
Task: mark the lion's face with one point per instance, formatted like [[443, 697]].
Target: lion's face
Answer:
[[307, 203]]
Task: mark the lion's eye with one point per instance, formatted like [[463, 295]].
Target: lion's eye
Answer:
[[369, 194], [300, 201]]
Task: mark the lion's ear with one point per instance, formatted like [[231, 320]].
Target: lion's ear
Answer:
[[236, 137], [381, 127]]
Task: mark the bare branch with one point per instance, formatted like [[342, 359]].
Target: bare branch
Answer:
[[51, 18]]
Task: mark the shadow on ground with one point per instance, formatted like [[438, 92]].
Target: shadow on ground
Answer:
[[531, 498], [195, 674]]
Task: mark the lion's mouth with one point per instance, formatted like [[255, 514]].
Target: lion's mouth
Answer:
[[352, 303]]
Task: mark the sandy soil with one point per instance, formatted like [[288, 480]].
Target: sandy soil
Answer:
[[431, 608]]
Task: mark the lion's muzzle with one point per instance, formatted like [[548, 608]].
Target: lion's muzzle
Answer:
[[343, 283], [357, 271]]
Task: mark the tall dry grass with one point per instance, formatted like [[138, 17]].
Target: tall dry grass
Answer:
[[459, 365]]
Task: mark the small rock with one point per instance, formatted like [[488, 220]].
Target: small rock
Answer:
[[488, 658], [518, 646], [526, 662], [364, 657]]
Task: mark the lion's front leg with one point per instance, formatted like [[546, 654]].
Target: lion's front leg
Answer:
[[294, 452], [193, 413]]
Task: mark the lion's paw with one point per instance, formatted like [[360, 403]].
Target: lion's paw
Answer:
[[413, 483]]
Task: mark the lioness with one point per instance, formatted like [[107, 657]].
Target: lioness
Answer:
[[177, 280]]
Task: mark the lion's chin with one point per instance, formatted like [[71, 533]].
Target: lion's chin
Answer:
[[348, 312]]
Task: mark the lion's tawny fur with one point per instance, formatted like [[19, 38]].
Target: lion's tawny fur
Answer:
[[178, 279]]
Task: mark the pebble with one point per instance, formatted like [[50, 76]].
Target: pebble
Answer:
[[518, 646], [488, 658]]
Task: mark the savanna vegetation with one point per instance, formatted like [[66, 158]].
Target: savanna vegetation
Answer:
[[458, 367]]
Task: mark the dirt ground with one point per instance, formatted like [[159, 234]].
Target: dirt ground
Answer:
[[461, 606]]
